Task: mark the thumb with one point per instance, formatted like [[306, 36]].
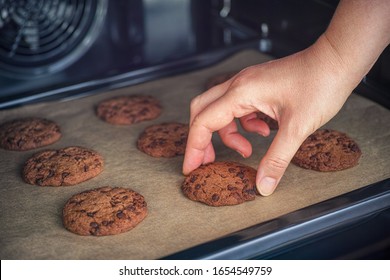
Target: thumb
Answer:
[[275, 162]]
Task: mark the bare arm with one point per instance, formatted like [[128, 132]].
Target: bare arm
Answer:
[[302, 92]]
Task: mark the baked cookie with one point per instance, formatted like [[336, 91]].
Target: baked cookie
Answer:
[[164, 140], [273, 124], [104, 211], [219, 79], [28, 133], [64, 167], [221, 183], [327, 150], [126, 110]]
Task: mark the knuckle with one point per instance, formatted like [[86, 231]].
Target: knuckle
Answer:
[[242, 79], [194, 104], [199, 124], [196, 121], [276, 164]]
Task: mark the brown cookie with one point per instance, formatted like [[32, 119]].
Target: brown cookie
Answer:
[[273, 124], [126, 110], [164, 140], [219, 79], [64, 167], [327, 150], [28, 133], [221, 183], [104, 211]]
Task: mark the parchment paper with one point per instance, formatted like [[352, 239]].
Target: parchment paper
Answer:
[[30, 221]]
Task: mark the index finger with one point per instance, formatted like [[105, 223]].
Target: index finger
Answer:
[[214, 117]]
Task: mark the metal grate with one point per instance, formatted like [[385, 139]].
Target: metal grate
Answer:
[[41, 36]]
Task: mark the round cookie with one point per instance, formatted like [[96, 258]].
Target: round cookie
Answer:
[[64, 167], [219, 79], [126, 110], [104, 211], [221, 183], [164, 140], [327, 150], [28, 133]]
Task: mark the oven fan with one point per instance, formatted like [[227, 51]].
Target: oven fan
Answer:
[[44, 36]]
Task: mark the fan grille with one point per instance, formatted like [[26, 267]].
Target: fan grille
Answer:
[[41, 35]]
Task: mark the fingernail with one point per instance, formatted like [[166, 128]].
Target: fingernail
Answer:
[[240, 153], [267, 186]]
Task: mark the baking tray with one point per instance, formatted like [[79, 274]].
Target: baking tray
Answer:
[[31, 215]]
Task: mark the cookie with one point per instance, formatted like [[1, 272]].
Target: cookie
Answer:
[[219, 79], [126, 110], [221, 183], [164, 140], [28, 133], [327, 150], [104, 211], [64, 167], [273, 124]]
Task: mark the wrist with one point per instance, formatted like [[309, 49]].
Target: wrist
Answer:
[[334, 66]]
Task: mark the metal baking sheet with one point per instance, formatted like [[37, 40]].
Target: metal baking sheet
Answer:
[[31, 226]]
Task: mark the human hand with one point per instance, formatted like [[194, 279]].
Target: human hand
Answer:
[[302, 92]]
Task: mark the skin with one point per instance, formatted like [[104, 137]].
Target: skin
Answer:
[[302, 92]]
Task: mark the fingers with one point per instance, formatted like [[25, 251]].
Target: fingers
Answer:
[[202, 152], [252, 123], [209, 155], [214, 117], [275, 162], [194, 157], [204, 99], [200, 134], [235, 140]]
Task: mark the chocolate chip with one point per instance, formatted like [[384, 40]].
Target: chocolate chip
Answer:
[[51, 174], [355, 148], [130, 207], [120, 215], [94, 224], [193, 178], [250, 191], [20, 142], [39, 181], [240, 174], [178, 143], [91, 214], [215, 197]]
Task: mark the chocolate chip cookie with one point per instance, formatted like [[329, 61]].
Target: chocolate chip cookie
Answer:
[[63, 167], [28, 133], [164, 140], [221, 183], [327, 150], [104, 211], [219, 79], [126, 110]]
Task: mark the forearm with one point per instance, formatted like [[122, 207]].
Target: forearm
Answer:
[[357, 34]]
